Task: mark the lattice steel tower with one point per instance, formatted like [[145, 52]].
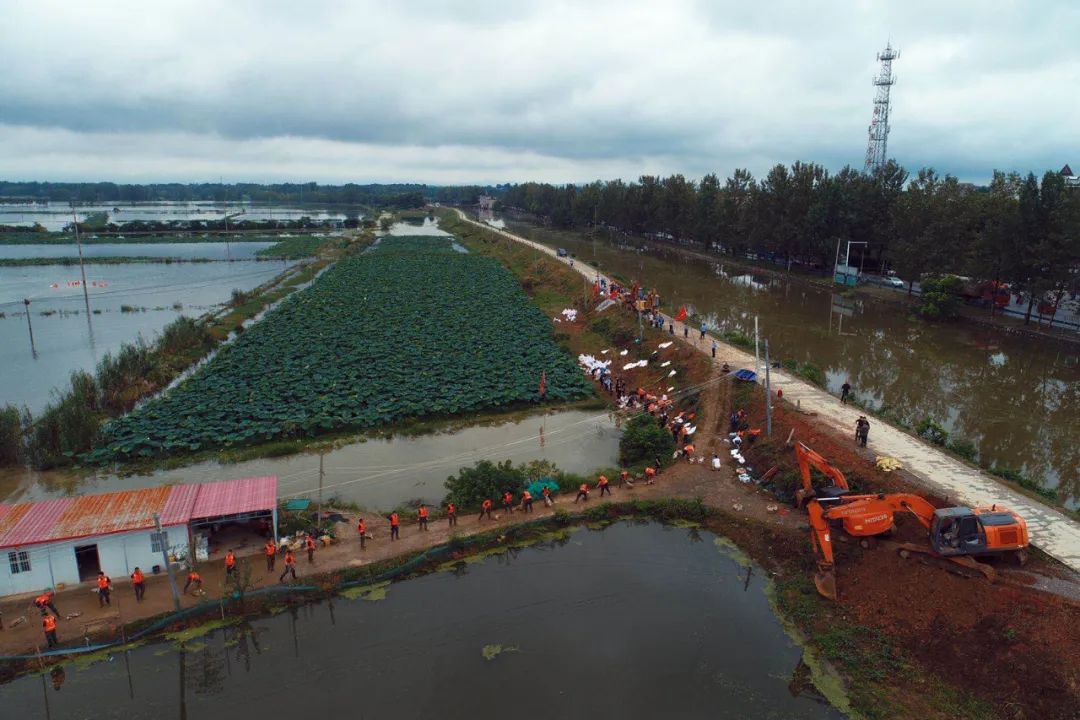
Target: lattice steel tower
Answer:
[[876, 149]]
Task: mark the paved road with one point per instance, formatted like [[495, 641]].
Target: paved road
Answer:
[[1051, 531]]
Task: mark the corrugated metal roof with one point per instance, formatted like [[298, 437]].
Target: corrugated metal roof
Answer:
[[233, 497], [91, 515]]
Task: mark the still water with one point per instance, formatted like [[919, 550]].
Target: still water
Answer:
[[1016, 400], [54, 216], [378, 474], [636, 621], [184, 250], [64, 340]]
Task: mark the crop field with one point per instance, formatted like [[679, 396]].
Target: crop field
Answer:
[[408, 329], [293, 247]]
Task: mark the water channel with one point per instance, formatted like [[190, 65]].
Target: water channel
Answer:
[[54, 216], [183, 250], [1015, 399], [636, 621]]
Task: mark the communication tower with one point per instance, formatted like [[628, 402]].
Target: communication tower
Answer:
[[876, 148]]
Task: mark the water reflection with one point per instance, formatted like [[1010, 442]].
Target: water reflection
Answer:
[[1019, 414]]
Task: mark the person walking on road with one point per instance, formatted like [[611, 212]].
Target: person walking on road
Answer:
[[526, 501], [703, 331], [230, 563], [395, 527], [862, 430], [714, 349], [48, 624], [422, 514], [104, 586], [290, 566], [270, 550], [485, 509], [686, 331], [361, 527], [582, 493], [309, 545], [138, 582], [195, 579], [45, 601], [451, 514], [602, 485], [845, 390]]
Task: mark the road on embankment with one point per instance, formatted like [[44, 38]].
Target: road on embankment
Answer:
[[1051, 531]]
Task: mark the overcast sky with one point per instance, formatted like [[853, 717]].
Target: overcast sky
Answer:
[[495, 91]]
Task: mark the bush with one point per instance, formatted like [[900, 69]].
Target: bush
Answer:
[[643, 440], [486, 479], [11, 436], [239, 297], [940, 297], [965, 449], [930, 430], [68, 426]]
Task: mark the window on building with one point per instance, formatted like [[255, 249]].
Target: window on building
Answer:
[[19, 560], [159, 541]]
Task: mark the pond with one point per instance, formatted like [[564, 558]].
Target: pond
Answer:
[[637, 621], [55, 215], [376, 474], [133, 299], [1015, 400], [183, 250]]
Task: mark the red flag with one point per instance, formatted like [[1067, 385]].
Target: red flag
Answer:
[[596, 288], [682, 314], [543, 384]]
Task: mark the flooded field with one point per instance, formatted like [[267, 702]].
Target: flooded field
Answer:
[[1017, 401], [377, 474], [636, 621], [133, 299], [183, 250], [55, 215]]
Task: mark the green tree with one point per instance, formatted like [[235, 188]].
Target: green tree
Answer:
[[471, 486], [643, 440]]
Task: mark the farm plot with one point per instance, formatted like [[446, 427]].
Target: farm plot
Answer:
[[408, 330]]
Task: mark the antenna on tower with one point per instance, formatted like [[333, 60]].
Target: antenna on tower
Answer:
[[877, 147]]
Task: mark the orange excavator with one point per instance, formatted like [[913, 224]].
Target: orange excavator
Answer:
[[836, 489], [955, 533]]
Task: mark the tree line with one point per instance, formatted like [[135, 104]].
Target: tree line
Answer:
[[1018, 230]]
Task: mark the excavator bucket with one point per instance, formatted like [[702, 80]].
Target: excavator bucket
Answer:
[[825, 580]]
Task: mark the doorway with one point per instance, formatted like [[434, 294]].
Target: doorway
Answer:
[[87, 561]]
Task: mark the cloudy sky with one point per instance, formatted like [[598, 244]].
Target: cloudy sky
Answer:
[[494, 91]]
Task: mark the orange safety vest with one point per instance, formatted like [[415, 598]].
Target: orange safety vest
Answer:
[[689, 449], [290, 559], [423, 513], [43, 600], [393, 520], [137, 577], [546, 491], [624, 474], [508, 498], [193, 577], [49, 623], [487, 504], [526, 495], [230, 559], [650, 471], [361, 527], [603, 481], [309, 542], [103, 582], [270, 549], [450, 509], [584, 488]]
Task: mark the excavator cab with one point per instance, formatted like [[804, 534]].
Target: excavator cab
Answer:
[[965, 531]]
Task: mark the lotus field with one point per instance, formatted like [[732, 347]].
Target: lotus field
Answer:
[[410, 328]]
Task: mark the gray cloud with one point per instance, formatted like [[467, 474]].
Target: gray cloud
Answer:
[[561, 91]]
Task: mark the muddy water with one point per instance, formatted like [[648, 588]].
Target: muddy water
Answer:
[[1016, 400], [631, 622], [377, 474]]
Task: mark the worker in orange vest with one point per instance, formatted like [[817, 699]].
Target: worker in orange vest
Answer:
[[650, 475], [688, 452], [395, 526], [290, 566], [508, 502], [230, 563], [309, 545], [45, 600], [422, 514], [138, 581], [602, 483], [451, 514], [582, 493], [195, 579], [104, 585], [48, 622], [361, 527], [625, 477], [485, 509], [526, 501], [548, 500], [270, 550]]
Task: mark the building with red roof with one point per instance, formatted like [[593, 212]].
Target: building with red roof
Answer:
[[68, 540]]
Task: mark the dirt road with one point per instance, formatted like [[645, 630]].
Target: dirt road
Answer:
[[1051, 531]]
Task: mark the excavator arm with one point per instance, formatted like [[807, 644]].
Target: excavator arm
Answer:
[[808, 458]]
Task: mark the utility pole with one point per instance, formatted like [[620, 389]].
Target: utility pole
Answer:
[[82, 268], [757, 353], [26, 302], [165, 559], [318, 519], [768, 393]]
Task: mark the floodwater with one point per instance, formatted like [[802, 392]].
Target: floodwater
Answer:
[[183, 250], [426, 226], [63, 338], [1016, 400], [378, 474], [55, 215], [632, 622]]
